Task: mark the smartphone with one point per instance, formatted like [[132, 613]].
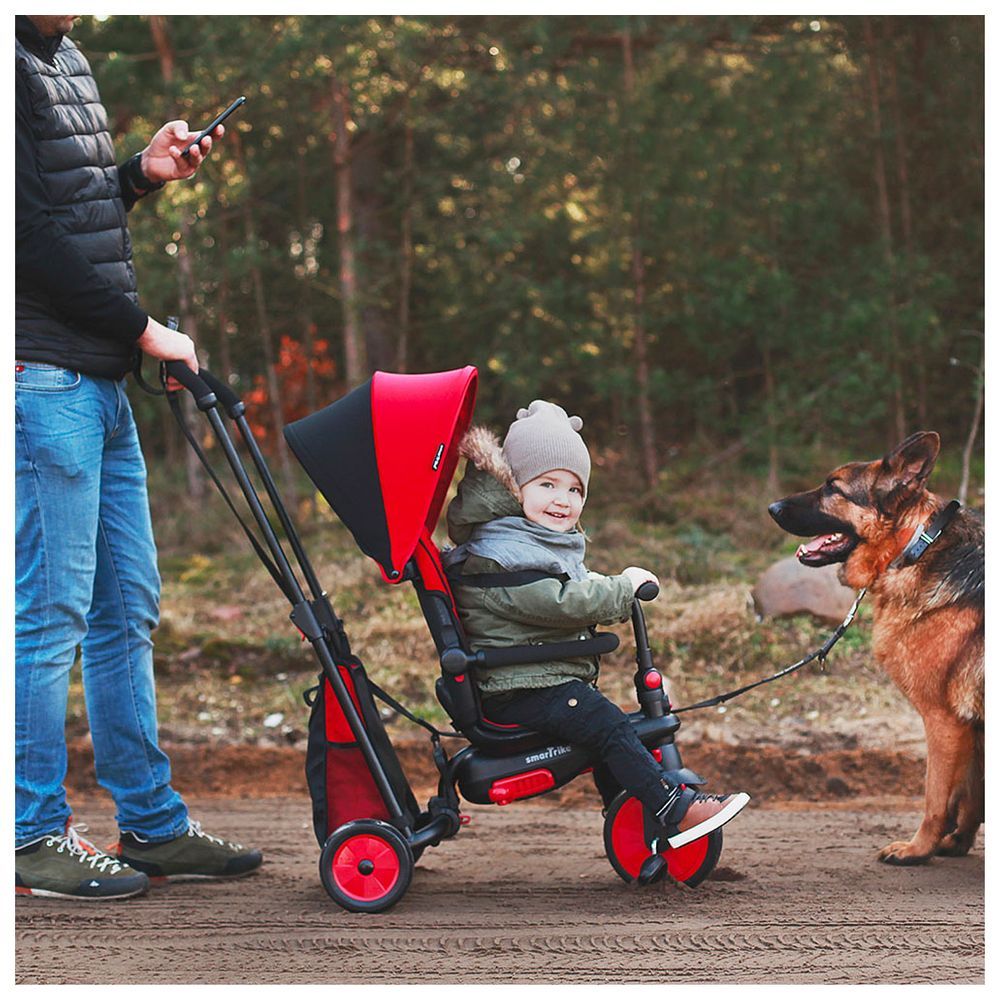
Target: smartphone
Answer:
[[218, 121]]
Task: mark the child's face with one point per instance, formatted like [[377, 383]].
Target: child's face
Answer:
[[553, 499]]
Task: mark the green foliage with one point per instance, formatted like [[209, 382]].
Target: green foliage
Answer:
[[739, 157]]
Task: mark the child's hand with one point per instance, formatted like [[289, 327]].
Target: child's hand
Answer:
[[637, 576]]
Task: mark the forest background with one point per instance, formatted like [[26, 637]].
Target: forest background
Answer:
[[740, 242], [744, 249]]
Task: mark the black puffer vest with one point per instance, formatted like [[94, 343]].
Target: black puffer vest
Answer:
[[76, 162]]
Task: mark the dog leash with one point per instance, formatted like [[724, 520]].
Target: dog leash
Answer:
[[818, 654]]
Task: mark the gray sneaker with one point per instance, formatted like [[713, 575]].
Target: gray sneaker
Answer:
[[67, 866], [192, 855]]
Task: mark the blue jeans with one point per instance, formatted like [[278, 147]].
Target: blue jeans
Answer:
[[86, 576]]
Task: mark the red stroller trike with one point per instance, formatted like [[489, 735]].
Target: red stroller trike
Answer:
[[384, 456]]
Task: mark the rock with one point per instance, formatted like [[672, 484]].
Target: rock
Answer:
[[789, 588]]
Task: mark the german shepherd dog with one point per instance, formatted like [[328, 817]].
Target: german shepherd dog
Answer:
[[928, 618]]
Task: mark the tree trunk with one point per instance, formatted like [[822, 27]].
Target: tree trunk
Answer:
[[222, 310], [266, 337], [194, 472], [897, 430], [773, 484], [355, 363], [647, 441], [405, 254], [377, 314], [919, 362], [963, 489], [305, 299]]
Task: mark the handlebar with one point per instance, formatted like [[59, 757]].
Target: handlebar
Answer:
[[233, 404], [192, 381], [206, 388], [648, 591]]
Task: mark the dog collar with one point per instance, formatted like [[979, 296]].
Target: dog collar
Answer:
[[924, 536]]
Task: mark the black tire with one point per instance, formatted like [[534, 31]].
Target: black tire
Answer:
[[366, 866], [625, 845]]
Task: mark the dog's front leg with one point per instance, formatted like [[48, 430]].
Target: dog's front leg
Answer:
[[949, 749]]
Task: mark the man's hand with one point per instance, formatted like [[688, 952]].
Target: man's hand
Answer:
[[161, 342], [162, 161]]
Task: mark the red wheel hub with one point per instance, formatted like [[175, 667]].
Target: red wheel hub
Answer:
[[365, 867], [630, 846]]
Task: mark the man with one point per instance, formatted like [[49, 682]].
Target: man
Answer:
[[85, 556]]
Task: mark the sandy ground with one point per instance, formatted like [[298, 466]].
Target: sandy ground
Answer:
[[524, 894]]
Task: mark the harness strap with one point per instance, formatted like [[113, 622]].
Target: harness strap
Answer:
[[514, 578], [392, 703]]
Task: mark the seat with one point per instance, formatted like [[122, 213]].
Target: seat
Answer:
[[455, 688]]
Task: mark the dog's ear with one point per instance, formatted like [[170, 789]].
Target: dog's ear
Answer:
[[905, 469]]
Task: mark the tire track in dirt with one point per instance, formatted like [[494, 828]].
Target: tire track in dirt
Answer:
[[525, 894]]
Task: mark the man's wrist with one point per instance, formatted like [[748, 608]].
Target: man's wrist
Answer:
[[140, 182]]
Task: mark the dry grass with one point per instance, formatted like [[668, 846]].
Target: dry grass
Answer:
[[231, 666]]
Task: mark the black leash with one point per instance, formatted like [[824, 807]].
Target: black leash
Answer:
[[818, 654]]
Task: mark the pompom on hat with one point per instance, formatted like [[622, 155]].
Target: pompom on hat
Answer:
[[542, 438]]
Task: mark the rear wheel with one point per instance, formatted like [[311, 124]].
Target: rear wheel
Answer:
[[366, 866], [626, 847]]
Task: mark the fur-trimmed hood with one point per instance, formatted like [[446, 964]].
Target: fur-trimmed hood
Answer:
[[488, 489], [482, 447]]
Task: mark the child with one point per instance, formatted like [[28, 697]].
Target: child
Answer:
[[517, 509]]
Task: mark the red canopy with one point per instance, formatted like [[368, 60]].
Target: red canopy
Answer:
[[384, 456]]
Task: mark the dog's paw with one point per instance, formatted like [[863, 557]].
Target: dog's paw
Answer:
[[954, 845], [902, 852]]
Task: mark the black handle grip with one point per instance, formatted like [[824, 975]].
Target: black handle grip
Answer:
[[193, 382], [648, 591], [233, 404]]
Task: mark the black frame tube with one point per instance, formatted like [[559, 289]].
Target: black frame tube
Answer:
[[318, 641], [272, 491]]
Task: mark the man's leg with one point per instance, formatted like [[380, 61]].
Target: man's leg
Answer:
[[118, 651], [58, 446], [157, 836]]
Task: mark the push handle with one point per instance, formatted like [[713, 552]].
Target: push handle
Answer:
[[233, 404], [193, 382], [648, 591]]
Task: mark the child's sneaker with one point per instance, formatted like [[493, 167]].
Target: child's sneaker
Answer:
[[192, 855], [67, 866], [701, 814], [687, 816]]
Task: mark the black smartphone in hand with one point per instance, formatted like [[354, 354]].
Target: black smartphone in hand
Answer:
[[208, 130]]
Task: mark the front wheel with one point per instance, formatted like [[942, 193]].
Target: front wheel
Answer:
[[366, 866], [626, 847]]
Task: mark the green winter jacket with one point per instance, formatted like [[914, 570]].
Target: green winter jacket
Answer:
[[546, 611]]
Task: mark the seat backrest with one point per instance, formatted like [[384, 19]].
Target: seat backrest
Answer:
[[458, 693]]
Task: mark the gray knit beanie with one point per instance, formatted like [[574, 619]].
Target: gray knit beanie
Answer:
[[543, 438]]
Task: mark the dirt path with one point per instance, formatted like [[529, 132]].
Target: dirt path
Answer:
[[525, 894]]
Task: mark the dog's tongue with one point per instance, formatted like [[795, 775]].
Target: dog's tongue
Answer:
[[814, 546]]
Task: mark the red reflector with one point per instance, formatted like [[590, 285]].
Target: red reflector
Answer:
[[652, 679], [520, 786], [459, 678], [657, 754]]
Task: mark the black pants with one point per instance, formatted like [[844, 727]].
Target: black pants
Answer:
[[581, 716]]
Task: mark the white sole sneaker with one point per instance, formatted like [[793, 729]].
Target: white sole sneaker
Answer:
[[731, 809]]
